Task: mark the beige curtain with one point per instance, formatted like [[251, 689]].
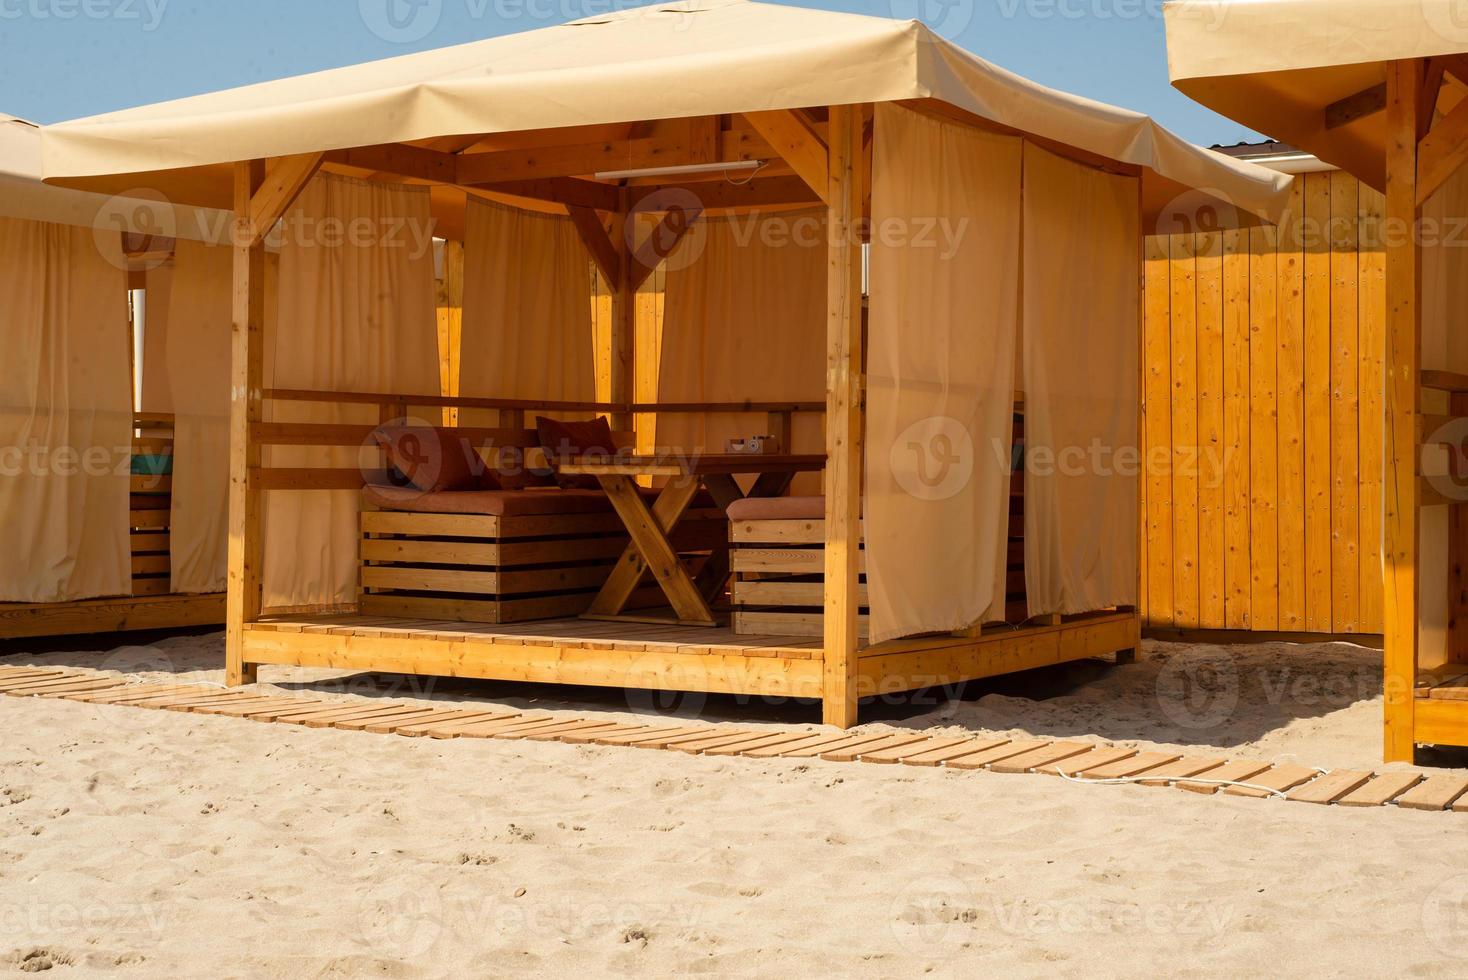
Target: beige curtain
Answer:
[[189, 328], [1444, 348], [355, 313], [744, 319], [65, 416], [528, 329], [944, 304], [1080, 324], [156, 388]]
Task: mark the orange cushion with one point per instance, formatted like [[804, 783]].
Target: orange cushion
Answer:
[[778, 509], [432, 459]]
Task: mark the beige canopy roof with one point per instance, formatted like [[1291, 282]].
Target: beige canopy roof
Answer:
[[23, 195], [687, 59], [1279, 65]]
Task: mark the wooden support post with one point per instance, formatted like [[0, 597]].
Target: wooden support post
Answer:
[[845, 413], [242, 604], [1458, 555], [1402, 394], [624, 318]]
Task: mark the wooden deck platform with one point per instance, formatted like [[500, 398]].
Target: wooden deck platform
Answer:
[[657, 657], [1440, 708], [20, 620]]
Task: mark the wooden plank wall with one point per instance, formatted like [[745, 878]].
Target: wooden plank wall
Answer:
[[1262, 422]]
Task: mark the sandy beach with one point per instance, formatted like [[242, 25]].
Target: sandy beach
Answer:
[[144, 843]]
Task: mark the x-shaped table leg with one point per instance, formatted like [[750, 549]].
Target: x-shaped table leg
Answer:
[[651, 550]]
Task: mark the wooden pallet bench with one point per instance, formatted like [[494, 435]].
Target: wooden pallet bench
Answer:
[[508, 567]]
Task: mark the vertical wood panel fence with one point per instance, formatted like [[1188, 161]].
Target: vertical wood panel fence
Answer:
[[1262, 420]]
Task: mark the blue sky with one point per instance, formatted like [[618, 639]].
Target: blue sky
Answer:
[[60, 59]]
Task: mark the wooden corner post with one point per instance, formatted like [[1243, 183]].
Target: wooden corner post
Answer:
[[261, 197], [247, 362], [623, 364], [1402, 393], [845, 410]]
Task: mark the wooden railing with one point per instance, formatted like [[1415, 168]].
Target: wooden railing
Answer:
[[510, 433]]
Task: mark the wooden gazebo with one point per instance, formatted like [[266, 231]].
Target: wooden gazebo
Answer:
[[746, 108], [1378, 88]]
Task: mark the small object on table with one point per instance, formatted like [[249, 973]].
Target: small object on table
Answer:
[[753, 446], [651, 549]]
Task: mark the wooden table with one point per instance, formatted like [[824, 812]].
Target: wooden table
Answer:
[[651, 527]]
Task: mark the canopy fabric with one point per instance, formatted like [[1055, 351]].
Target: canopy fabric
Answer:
[[1275, 65], [940, 400], [744, 319], [1082, 296], [66, 420], [673, 60], [23, 195], [356, 313]]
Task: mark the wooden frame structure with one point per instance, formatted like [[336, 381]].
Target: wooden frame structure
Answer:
[[821, 155], [1422, 152]]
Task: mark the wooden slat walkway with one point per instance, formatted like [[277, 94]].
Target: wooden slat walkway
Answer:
[[1076, 761]]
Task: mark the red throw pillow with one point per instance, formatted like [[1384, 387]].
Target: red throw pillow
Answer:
[[434, 459], [562, 439]]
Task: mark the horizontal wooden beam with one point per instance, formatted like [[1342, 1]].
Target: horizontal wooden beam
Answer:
[[1367, 102], [1445, 381], [400, 160], [500, 166], [560, 190]]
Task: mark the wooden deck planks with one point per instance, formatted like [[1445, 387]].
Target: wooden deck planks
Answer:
[[1434, 793], [968, 746], [1236, 770], [1050, 755], [1296, 783], [1132, 766], [1330, 787], [1182, 768], [1099, 755], [1008, 750], [1276, 780], [1381, 790]]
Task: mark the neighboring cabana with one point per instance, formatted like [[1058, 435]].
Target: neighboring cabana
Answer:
[[1378, 88], [103, 530], [746, 152]]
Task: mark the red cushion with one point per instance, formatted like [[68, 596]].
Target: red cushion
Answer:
[[434, 459], [495, 503], [560, 439]]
